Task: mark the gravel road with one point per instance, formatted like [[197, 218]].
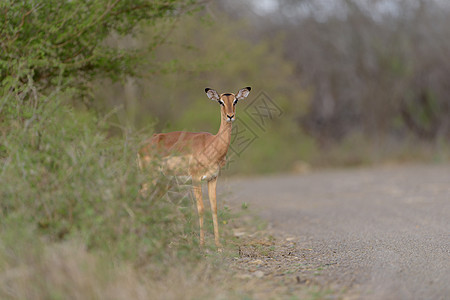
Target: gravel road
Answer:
[[380, 233]]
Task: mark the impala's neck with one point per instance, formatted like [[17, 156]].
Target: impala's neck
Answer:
[[223, 136]]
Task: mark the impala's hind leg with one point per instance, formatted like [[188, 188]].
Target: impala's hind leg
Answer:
[[198, 197]]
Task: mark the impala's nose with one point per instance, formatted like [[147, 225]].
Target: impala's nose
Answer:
[[230, 118]]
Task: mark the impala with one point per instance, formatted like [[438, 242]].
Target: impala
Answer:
[[199, 155]]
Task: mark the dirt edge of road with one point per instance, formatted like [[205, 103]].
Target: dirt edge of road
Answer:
[[272, 264]]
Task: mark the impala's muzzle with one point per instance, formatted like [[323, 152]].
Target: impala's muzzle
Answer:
[[230, 118]]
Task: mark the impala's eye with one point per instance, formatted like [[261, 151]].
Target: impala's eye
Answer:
[[235, 101], [221, 102]]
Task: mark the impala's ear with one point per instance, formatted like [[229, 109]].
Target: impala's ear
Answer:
[[212, 94], [243, 93]]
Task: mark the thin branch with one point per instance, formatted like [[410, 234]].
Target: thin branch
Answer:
[[23, 22], [83, 30], [6, 20], [66, 60]]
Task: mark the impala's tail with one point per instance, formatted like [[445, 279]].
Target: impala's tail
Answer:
[[143, 159]]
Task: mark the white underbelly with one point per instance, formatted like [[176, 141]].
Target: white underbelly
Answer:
[[179, 167]]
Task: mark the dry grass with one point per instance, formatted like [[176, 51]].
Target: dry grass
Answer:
[[68, 271]]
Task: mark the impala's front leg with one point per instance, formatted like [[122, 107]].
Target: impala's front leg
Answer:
[[198, 196], [213, 201]]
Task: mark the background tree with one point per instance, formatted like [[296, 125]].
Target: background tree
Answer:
[[378, 68]]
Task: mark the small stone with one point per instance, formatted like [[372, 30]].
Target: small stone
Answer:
[[258, 274], [256, 262], [239, 233]]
